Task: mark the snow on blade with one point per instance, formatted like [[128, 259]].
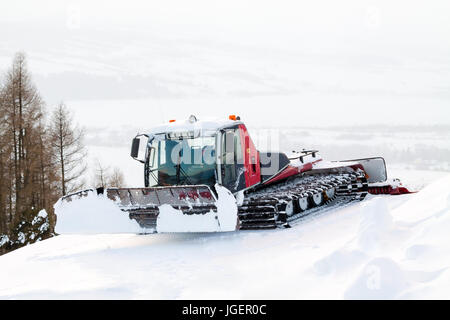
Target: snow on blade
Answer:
[[93, 214], [226, 209], [173, 220], [225, 219]]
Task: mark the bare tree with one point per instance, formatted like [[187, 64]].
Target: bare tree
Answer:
[[3, 166], [47, 171], [68, 149], [104, 178], [7, 196], [101, 175], [23, 111], [117, 179], [26, 171]]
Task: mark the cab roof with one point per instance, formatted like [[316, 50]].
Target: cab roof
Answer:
[[206, 127]]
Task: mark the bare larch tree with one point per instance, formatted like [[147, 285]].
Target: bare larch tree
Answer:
[[101, 175], [23, 111], [103, 178], [68, 149], [26, 172], [4, 178], [117, 179]]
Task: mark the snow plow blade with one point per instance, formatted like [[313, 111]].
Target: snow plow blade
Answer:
[[375, 169], [379, 183], [150, 210], [143, 204], [376, 173]]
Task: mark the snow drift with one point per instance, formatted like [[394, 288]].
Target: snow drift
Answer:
[[92, 214], [383, 248]]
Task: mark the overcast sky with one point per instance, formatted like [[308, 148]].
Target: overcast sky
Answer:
[[371, 61], [125, 66]]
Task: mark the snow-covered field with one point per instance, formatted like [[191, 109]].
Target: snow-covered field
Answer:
[[354, 78], [383, 248]]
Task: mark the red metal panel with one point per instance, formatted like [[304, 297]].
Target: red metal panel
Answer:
[[388, 189], [291, 171], [287, 172], [251, 158]]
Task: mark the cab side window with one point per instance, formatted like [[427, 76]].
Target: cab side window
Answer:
[[232, 156]]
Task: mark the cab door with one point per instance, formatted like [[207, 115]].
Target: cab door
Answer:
[[232, 160]]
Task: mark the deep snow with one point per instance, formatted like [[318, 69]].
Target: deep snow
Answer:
[[384, 247], [291, 59], [92, 214]]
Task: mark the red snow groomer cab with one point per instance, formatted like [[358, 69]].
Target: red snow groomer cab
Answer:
[[186, 162]]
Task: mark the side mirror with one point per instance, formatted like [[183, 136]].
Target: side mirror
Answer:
[[135, 148], [139, 147]]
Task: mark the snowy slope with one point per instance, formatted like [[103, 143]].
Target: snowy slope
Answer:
[[385, 247], [358, 64]]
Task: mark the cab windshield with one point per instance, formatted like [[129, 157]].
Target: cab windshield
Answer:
[[182, 160]]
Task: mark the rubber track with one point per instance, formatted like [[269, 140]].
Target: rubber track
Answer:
[[266, 208]]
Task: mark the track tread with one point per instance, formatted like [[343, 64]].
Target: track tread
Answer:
[[348, 187]]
